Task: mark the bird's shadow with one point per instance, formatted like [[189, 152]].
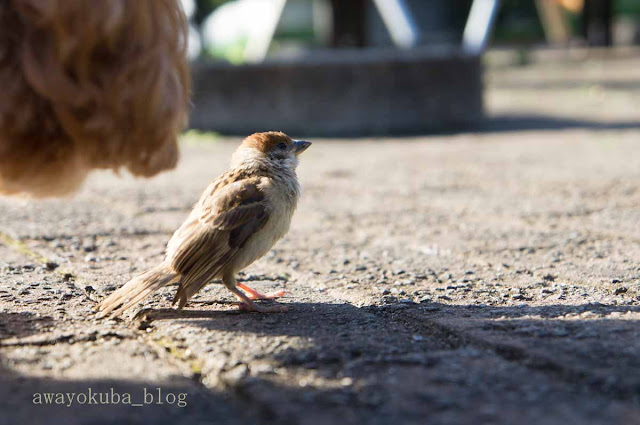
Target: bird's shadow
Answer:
[[601, 340], [328, 322], [346, 341], [195, 313]]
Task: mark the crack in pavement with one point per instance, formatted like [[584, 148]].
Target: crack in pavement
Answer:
[[70, 338], [521, 355]]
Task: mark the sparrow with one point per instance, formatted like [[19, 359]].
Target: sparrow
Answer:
[[236, 221]]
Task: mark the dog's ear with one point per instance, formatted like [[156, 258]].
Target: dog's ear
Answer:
[[89, 85]]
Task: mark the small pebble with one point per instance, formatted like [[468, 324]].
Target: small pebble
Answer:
[[51, 265]]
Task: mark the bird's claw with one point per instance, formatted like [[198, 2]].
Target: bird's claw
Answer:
[[252, 294]]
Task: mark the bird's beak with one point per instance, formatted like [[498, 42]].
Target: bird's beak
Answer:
[[300, 146]]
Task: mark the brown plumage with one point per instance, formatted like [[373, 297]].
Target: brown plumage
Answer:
[[238, 218], [89, 84]]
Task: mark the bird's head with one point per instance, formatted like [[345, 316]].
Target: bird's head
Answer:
[[272, 147]]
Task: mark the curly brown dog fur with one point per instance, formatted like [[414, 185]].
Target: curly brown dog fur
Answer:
[[89, 84]]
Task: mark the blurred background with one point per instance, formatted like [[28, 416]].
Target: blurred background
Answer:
[[381, 67], [222, 28], [466, 249]]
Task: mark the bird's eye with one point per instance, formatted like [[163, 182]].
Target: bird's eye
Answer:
[[282, 146]]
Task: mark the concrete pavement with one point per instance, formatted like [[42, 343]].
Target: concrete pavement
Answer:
[[489, 277]]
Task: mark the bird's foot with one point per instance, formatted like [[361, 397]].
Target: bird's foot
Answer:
[[252, 294], [246, 304]]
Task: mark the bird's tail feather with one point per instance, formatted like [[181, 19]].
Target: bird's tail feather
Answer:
[[136, 290]]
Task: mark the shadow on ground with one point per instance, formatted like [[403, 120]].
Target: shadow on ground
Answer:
[[36, 400], [514, 122], [440, 364]]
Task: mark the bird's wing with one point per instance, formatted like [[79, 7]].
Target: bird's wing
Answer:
[[220, 224]]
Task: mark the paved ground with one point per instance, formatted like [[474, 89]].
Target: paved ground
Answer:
[[489, 277]]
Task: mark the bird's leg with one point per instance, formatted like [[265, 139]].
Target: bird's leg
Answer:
[[255, 295], [246, 303]]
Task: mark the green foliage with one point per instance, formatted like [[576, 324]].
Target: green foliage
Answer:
[[518, 22], [204, 8], [196, 137], [627, 8]]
